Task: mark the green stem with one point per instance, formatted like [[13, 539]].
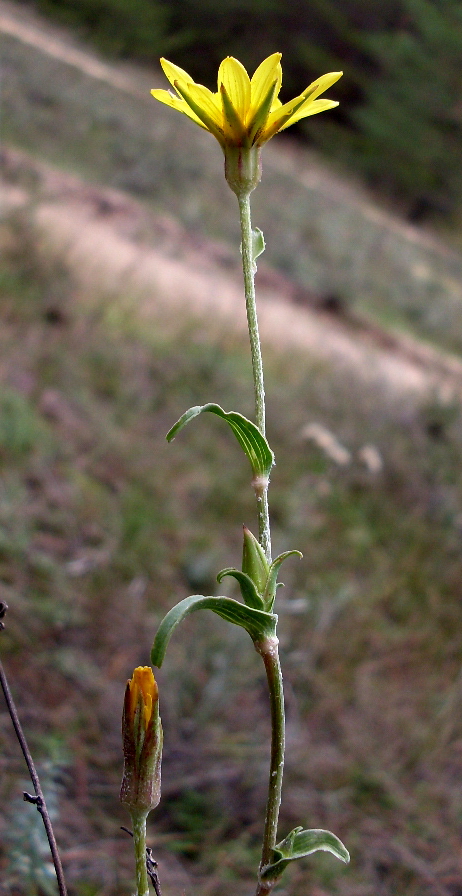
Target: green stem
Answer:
[[248, 266], [139, 842], [268, 648], [269, 651]]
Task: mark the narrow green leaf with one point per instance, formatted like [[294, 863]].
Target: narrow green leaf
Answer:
[[299, 844], [249, 592], [270, 590], [248, 435], [258, 624]]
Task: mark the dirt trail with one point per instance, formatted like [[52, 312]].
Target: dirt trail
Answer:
[[112, 242], [26, 27]]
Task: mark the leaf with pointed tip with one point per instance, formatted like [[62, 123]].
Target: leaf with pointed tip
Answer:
[[249, 592], [297, 845], [270, 590], [247, 434], [258, 624]]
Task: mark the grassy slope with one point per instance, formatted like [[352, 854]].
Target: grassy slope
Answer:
[[102, 527], [320, 232], [100, 520]]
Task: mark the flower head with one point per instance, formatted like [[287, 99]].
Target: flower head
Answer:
[[245, 112], [142, 690], [142, 742]]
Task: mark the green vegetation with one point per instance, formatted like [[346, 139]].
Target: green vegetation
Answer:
[[104, 526], [123, 28], [399, 122]]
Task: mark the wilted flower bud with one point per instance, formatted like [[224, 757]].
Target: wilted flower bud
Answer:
[[254, 561], [142, 742]]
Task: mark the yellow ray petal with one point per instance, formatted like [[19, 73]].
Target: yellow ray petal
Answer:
[[311, 109], [268, 72], [236, 82], [245, 112], [175, 73], [204, 104], [276, 104], [164, 96], [279, 116], [321, 84]]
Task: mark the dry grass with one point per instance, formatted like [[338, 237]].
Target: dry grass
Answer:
[[321, 231], [103, 526]]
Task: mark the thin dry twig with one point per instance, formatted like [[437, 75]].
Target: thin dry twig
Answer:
[[38, 799]]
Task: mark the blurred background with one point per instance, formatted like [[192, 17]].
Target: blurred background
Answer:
[[120, 307]]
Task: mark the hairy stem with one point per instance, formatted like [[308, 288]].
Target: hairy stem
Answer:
[[139, 843], [269, 651], [248, 266], [268, 648]]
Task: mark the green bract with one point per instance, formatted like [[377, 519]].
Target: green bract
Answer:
[[271, 583], [257, 591], [254, 562], [250, 594]]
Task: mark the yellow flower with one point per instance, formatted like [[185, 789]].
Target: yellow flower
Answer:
[[142, 691], [142, 742], [245, 112]]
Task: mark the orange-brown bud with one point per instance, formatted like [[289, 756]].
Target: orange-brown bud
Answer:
[[142, 742]]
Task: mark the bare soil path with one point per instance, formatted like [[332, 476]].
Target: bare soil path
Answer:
[[112, 242]]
